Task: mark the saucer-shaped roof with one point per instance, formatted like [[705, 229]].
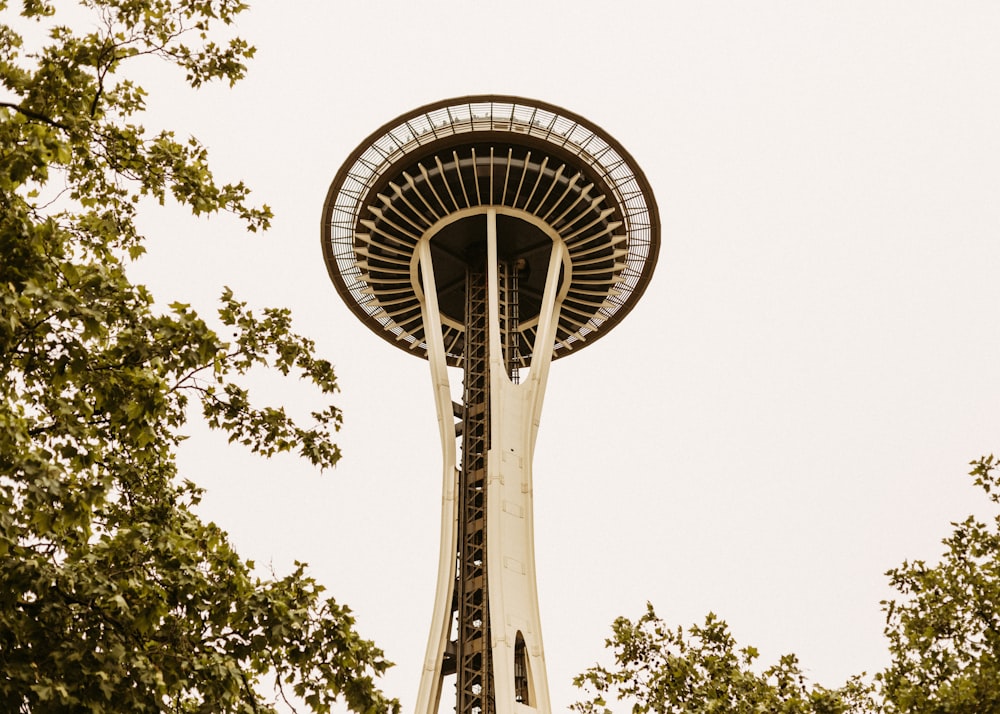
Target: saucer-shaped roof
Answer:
[[437, 169]]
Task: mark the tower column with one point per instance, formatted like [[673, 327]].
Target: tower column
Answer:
[[486, 582], [490, 234]]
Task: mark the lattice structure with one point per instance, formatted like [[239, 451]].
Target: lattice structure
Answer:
[[509, 322], [474, 691], [494, 234], [474, 685]]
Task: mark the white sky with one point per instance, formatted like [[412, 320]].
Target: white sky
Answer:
[[786, 414]]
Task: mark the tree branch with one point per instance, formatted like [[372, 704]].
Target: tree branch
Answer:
[[34, 115]]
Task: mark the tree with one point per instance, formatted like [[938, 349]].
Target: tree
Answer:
[[943, 631], [114, 595], [659, 669]]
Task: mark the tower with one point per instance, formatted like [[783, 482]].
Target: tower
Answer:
[[491, 234]]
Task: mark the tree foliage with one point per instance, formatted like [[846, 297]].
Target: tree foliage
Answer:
[[943, 631], [701, 671], [114, 595]]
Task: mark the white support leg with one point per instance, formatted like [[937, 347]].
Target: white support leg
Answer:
[[429, 694], [514, 415]]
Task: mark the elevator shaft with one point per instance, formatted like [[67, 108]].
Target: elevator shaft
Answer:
[[474, 685], [474, 691]]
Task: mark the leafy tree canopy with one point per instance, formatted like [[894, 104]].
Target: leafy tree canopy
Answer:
[[944, 628], [943, 631], [701, 671], [114, 595]]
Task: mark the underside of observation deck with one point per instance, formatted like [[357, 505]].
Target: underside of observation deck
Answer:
[[433, 173]]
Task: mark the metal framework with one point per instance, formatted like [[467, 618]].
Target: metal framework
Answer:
[[494, 234], [473, 685]]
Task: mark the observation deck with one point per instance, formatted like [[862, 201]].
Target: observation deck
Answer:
[[433, 172]]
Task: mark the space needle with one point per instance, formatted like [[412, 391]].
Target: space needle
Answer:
[[491, 235]]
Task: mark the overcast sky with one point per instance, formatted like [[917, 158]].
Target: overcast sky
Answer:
[[789, 410]]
